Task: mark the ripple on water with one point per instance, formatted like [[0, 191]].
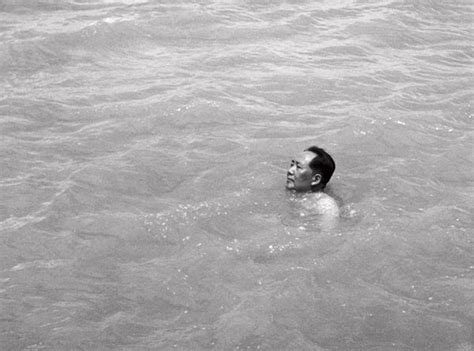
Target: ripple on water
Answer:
[[144, 150]]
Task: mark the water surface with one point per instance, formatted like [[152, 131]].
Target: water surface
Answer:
[[143, 157]]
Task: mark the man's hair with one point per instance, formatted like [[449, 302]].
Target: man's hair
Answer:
[[323, 162]]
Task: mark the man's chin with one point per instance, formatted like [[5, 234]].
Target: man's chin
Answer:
[[290, 185]]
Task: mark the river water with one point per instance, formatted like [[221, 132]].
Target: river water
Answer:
[[144, 148]]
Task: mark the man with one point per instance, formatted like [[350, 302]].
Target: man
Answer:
[[311, 171]]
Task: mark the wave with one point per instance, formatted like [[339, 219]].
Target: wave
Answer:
[[57, 5]]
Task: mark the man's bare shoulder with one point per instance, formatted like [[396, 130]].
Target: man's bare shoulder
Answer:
[[321, 203]]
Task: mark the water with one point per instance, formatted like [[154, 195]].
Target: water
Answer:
[[144, 146]]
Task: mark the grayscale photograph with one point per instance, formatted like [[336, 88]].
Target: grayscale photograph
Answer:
[[230, 175]]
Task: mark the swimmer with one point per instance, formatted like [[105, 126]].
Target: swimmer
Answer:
[[310, 172]]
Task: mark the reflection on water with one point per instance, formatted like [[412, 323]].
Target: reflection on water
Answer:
[[144, 151]]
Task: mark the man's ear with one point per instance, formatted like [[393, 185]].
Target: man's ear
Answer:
[[316, 179]]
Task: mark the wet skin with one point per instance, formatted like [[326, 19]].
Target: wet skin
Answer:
[[301, 178]]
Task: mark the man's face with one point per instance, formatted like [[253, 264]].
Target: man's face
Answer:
[[299, 175]]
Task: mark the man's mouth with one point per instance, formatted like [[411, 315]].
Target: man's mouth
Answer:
[[290, 183]]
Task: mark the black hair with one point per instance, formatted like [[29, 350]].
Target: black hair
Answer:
[[323, 162]]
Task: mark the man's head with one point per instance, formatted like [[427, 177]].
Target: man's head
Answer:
[[311, 170]]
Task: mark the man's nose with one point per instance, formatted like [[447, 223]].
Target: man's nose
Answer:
[[291, 171]]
